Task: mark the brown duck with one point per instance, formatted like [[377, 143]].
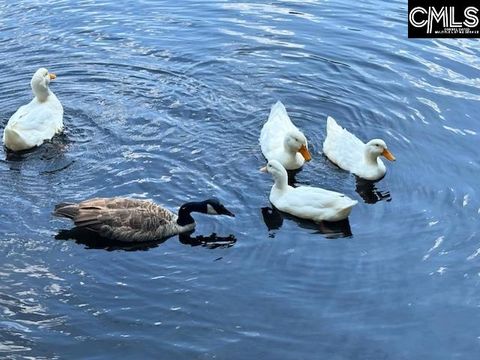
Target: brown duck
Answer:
[[132, 220]]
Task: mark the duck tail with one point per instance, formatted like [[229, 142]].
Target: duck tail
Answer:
[[276, 108], [332, 125], [67, 210], [347, 209], [13, 141]]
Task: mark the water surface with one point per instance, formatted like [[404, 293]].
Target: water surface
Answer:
[[164, 100]]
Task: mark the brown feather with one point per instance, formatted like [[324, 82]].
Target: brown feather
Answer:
[[120, 218], [66, 210]]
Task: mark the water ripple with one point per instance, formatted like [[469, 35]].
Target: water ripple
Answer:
[[164, 101]]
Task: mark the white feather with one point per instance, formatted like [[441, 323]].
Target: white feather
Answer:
[[35, 122], [211, 210], [306, 202], [349, 153], [272, 138]]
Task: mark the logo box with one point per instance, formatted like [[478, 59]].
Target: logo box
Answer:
[[444, 18]]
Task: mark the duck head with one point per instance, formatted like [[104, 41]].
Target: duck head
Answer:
[[211, 207], [277, 171], [295, 142], [215, 207], [376, 147], [39, 83]]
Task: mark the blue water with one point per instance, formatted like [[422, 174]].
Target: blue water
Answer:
[[165, 100]]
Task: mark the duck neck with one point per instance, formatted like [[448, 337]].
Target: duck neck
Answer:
[[281, 181], [370, 158], [41, 92], [291, 152], [184, 213]]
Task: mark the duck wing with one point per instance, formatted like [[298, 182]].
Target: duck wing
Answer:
[[315, 204], [120, 219], [34, 123], [306, 196], [118, 203], [18, 115], [342, 147], [273, 131]]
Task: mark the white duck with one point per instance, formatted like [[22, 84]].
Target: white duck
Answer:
[[282, 141], [37, 121], [306, 202], [349, 153]]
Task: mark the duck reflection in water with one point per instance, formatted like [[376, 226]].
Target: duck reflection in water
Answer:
[[50, 149], [94, 241], [273, 219], [47, 159], [367, 189], [291, 180]]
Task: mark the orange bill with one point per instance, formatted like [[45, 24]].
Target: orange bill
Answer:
[[388, 155], [305, 153], [52, 76], [264, 169]]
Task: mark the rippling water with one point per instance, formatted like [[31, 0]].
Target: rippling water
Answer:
[[164, 100]]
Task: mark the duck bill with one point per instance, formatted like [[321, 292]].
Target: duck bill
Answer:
[[52, 76], [388, 155], [227, 212], [305, 153], [263, 169]]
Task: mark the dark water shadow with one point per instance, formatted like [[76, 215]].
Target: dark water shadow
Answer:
[[369, 192], [292, 174], [48, 150], [52, 152], [92, 240], [211, 241], [274, 218]]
